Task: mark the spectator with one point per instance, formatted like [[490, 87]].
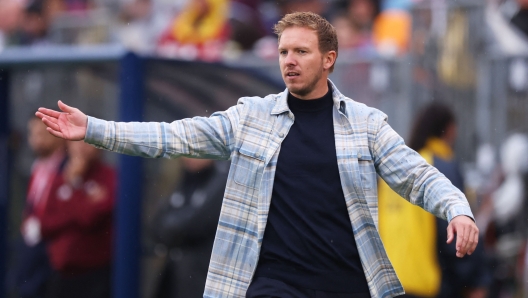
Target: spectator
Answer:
[[143, 22], [440, 275], [363, 13], [32, 270], [246, 25], [353, 21], [351, 40], [392, 28], [11, 12], [76, 223], [198, 32], [186, 224], [33, 29]]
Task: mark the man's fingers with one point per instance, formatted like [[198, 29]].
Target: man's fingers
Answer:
[[55, 133], [462, 241], [473, 241], [65, 108], [50, 123], [450, 234], [47, 112], [51, 119]]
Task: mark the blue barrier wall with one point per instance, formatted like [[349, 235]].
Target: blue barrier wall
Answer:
[[128, 214]]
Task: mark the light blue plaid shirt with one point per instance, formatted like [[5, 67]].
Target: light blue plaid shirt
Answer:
[[250, 134]]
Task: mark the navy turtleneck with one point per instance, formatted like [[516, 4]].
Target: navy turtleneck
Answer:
[[308, 240]]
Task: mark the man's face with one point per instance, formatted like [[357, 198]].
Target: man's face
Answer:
[[304, 68]]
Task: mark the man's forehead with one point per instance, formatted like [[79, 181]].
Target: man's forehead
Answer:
[[298, 34]]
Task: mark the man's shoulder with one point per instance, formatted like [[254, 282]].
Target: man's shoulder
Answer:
[[360, 111], [257, 101], [259, 105]]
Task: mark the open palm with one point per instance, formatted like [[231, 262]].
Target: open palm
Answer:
[[70, 124]]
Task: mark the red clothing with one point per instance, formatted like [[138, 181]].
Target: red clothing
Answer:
[[77, 221], [43, 173]]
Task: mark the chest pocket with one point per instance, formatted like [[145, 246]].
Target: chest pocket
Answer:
[[366, 169], [249, 165]]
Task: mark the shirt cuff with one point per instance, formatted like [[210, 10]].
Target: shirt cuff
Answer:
[[97, 131], [459, 210]]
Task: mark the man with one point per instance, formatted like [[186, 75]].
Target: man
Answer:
[[32, 270], [186, 225], [303, 169], [77, 225]]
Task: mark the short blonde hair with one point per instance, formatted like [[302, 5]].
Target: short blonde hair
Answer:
[[326, 33]]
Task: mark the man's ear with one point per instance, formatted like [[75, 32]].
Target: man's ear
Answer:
[[329, 59]]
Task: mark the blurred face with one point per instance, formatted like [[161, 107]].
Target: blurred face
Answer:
[[34, 24], [346, 33], [40, 140], [304, 68], [10, 15], [82, 150], [361, 12], [450, 134]]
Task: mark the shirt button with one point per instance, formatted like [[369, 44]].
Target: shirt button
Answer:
[[359, 155], [281, 134], [257, 155]]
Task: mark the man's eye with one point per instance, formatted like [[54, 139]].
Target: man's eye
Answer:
[[283, 52], [302, 52]]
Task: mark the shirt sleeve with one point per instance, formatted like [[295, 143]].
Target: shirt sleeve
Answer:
[[200, 137], [408, 174]]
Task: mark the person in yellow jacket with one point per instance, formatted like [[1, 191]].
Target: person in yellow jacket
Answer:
[[414, 239]]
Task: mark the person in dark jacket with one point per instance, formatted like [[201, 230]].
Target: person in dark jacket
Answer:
[[186, 225]]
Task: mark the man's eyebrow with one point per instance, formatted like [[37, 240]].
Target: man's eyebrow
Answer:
[[295, 49]]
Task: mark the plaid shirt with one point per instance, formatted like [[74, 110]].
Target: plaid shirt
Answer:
[[250, 134]]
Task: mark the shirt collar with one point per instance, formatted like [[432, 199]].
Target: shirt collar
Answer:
[[281, 106]]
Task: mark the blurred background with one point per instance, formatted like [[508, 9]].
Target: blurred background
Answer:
[[160, 60]]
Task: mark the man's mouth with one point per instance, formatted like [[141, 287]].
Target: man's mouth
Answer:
[[292, 74]]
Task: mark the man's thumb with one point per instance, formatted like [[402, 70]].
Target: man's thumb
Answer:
[[65, 108]]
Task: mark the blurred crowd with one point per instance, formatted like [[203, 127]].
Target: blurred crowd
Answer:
[[212, 30], [201, 29]]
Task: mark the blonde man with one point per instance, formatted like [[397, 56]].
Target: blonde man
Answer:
[[299, 215]]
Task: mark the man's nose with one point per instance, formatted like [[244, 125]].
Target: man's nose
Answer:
[[289, 59]]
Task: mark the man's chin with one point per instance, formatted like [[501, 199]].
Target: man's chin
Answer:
[[296, 90]]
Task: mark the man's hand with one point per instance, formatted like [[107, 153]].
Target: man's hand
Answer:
[[467, 235], [70, 125]]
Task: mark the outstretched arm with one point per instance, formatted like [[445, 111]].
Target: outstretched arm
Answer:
[[407, 173], [70, 124]]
